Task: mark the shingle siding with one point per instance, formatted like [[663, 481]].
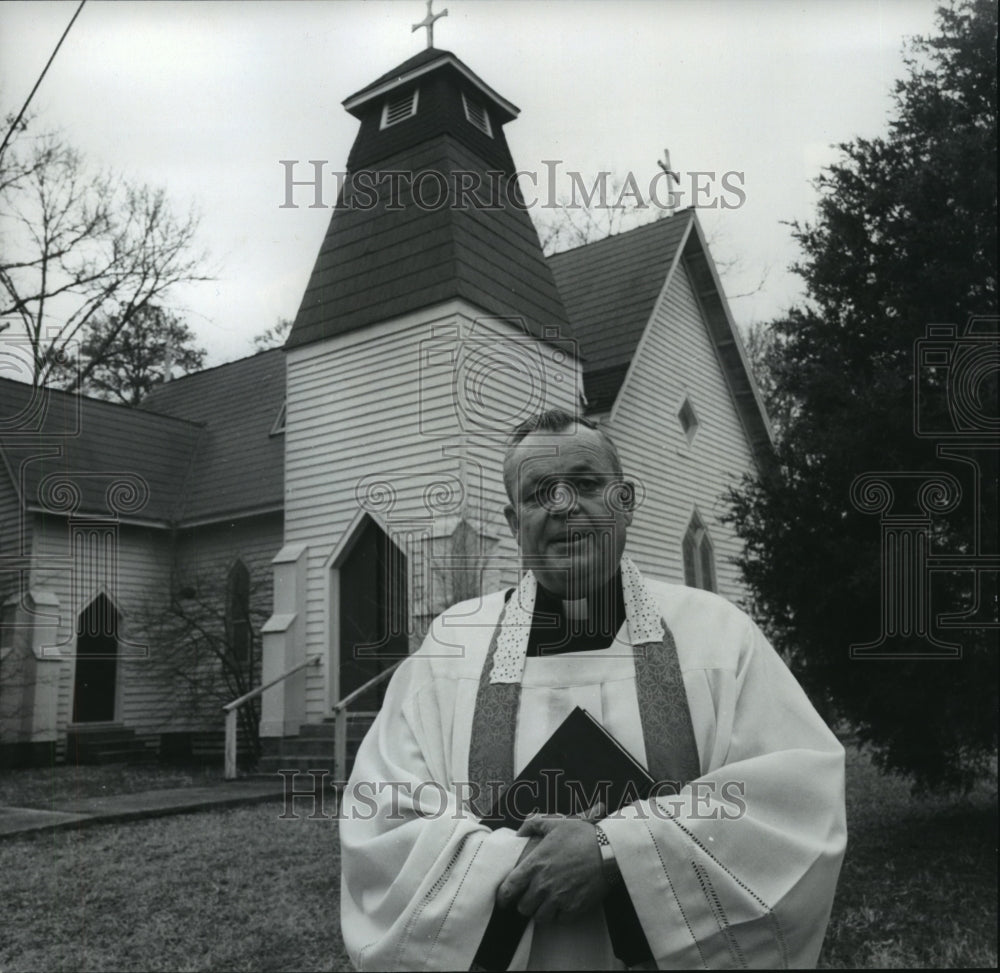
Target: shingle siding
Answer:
[[400, 257]]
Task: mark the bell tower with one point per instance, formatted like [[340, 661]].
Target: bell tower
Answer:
[[429, 211]]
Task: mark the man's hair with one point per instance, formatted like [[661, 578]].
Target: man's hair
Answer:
[[552, 420]]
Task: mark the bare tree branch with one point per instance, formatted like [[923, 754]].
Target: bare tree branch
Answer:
[[81, 247]]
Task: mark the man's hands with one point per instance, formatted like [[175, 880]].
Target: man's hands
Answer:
[[560, 872]]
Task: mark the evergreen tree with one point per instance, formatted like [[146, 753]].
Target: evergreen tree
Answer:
[[905, 237]]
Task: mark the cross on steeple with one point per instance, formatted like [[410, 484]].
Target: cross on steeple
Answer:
[[428, 22]]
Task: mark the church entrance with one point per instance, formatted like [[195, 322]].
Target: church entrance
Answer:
[[96, 662], [373, 613]]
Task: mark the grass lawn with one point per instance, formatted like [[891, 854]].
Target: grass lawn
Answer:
[[244, 890], [919, 882], [217, 890]]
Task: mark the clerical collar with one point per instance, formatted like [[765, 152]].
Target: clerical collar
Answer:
[[559, 626]]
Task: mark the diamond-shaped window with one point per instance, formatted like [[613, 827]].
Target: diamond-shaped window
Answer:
[[688, 419]]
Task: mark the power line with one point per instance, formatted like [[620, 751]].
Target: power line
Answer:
[[48, 64]]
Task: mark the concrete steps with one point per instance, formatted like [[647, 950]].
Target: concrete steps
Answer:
[[313, 748], [105, 743]]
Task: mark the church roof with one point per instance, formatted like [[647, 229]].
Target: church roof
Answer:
[[91, 444], [202, 444], [380, 263], [425, 57], [429, 59], [408, 233], [610, 288], [238, 465]]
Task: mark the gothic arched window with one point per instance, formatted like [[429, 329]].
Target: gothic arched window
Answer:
[[699, 558]]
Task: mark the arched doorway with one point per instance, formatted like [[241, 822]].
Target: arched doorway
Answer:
[[96, 676], [373, 612]]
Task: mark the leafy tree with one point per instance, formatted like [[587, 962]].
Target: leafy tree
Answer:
[[129, 362], [762, 343], [79, 247], [905, 237]]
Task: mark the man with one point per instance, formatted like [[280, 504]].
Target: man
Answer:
[[738, 869]]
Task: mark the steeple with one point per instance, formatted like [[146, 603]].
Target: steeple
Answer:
[[429, 211]]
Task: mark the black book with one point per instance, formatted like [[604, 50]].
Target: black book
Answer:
[[580, 765]]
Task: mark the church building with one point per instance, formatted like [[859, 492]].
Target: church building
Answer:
[[332, 496]]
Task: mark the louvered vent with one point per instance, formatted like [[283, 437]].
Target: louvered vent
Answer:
[[476, 114], [399, 107]]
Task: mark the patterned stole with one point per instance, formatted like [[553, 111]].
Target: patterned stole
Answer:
[[667, 732]]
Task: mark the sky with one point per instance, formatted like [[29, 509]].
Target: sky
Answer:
[[206, 99]]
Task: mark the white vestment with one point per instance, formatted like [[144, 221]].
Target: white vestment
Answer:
[[738, 870]]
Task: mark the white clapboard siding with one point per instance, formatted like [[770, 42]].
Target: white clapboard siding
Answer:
[[676, 358], [378, 407], [555, 382], [147, 702], [11, 533], [156, 699], [143, 572], [211, 550]]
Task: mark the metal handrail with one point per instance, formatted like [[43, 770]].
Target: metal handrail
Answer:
[[340, 721], [374, 681], [232, 708]]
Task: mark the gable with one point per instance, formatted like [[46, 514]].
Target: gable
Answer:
[[680, 471], [609, 289]]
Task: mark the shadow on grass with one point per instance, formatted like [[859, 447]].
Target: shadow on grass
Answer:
[[43, 787]]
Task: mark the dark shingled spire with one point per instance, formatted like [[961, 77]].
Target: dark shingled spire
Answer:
[[429, 211]]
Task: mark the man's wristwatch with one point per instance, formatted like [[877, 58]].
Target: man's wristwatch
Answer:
[[608, 861]]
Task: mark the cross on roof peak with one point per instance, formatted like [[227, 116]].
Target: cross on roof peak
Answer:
[[428, 22], [664, 164], [673, 179]]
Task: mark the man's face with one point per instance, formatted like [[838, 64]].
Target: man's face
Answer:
[[570, 510]]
